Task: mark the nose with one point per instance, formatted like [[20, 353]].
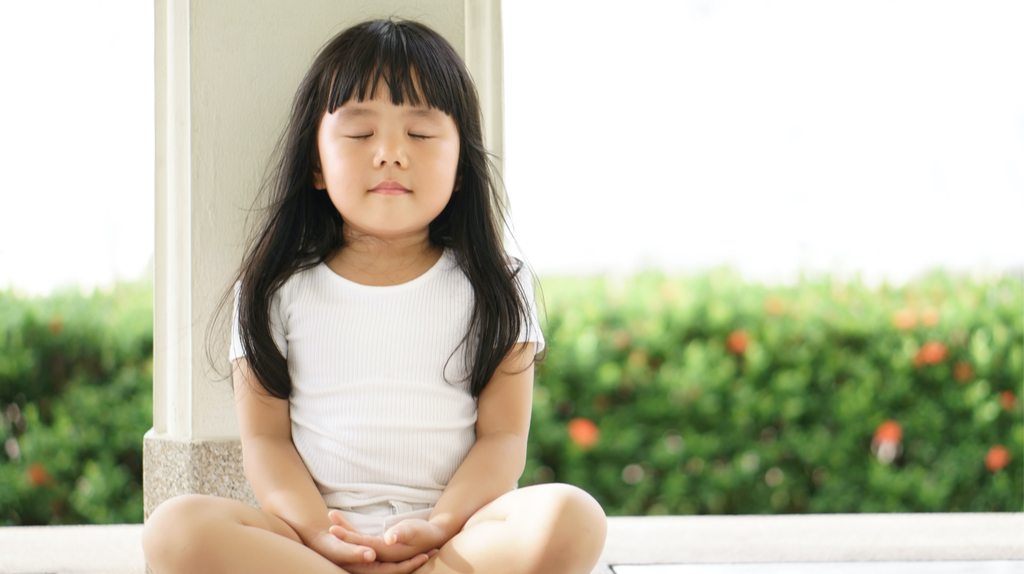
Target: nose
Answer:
[[391, 151]]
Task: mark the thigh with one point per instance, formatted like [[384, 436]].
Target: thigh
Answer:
[[191, 510]]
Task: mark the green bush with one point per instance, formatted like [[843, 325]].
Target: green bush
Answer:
[[658, 396], [709, 395], [75, 400]]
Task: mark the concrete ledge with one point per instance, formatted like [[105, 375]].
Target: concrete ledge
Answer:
[[171, 467], [114, 549], [832, 538], [814, 538]]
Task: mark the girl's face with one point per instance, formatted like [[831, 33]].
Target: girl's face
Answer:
[[389, 170]]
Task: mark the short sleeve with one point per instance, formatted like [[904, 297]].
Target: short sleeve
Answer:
[[276, 326], [530, 332]]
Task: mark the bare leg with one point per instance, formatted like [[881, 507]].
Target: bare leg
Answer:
[[544, 529], [197, 534]]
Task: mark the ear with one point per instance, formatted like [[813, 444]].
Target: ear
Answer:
[[318, 175]]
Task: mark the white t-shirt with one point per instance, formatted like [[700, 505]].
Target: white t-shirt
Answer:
[[373, 417]]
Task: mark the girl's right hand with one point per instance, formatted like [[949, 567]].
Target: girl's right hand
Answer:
[[358, 559]]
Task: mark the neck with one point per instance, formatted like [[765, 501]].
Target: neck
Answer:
[[375, 261]]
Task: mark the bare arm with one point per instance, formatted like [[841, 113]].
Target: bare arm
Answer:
[[279, 478], [496, 461]]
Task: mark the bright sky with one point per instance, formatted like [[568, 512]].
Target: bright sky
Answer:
[[875, 136]]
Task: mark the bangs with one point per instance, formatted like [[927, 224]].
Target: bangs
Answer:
[[417, 68]]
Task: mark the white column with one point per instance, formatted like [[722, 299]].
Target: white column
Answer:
[[484, 49]]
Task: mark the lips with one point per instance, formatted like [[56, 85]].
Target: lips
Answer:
[[390, 188]]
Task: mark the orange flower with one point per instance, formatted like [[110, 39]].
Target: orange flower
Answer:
[[886, 442], [1007, 399], [997, 457], [931, 353], [889, 431], [583, 432], [737, 341], [963, 372], [37, 474], [904, 319]]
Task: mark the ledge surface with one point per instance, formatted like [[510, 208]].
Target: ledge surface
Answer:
[[815, 538], [834, 543]]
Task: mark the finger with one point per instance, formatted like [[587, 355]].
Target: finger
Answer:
[[406, 566], [397, 534], [353, 555], [346, 552], [354, 537], [339, 519]]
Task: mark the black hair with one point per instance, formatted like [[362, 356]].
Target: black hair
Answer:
[[302, 228]]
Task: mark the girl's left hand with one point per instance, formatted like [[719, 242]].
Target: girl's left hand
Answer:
[[404, 540]]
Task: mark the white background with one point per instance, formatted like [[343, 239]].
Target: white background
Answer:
[[874, 137], [76, 142], [879, 137]]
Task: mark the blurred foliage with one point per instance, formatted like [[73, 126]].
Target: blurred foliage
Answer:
[[75, 400], [709, 395], [658, 395]]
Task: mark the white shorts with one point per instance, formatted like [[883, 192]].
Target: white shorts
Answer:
[[375, 519]]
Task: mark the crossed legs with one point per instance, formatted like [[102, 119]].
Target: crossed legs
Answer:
[[545, 529]]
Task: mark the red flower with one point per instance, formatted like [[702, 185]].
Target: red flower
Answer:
[[931, 353], [737, 341], [904, 319], [37, 474], [1007, 399], [889, 431], [963, 372], [997, 457], [886, 442], [583, 432]]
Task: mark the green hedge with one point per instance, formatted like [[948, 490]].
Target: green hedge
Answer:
[[658, 395], [76, 398], [709, 395]]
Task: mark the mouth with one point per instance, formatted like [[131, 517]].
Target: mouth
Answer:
[[390, 188]]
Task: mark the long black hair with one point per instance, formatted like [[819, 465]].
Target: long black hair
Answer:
[[303, 228]]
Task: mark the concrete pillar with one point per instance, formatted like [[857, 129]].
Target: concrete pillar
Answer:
[[226, 71]]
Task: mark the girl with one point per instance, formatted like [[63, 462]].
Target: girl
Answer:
[[383, 347]]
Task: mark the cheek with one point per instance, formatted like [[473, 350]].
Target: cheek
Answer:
[[451, 160]]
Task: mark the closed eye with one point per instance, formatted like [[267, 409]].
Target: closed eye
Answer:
[[419, 136], [360, 137]]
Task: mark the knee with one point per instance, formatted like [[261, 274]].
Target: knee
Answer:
[[579, 528], [576, 507], [173, 536]]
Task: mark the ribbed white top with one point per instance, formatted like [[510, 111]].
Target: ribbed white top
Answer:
[[372, 415]]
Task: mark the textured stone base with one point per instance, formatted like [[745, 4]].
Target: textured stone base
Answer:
[[172, 467]]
